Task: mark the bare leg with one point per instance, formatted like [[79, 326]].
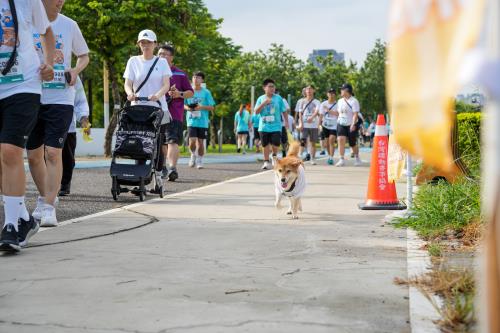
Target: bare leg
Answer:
[[54, 174], [201, 147], [38, 168], [172, 154], [331, 145], [192, 145], [342, 141], [13, 175], [267, 151]]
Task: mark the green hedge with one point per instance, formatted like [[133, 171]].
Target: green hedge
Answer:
[[469, 140]]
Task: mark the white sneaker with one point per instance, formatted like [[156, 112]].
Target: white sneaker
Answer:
[[192, 161], [199, 163], [265, 166], [358, 162], [340, 163], [49, 218], [273, 160], [313, 162]]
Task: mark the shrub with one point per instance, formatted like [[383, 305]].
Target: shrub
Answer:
[[442, 207], [469, 140]]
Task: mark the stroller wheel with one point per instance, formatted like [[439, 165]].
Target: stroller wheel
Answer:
[[142, 190], [115, 189], [162, 193]]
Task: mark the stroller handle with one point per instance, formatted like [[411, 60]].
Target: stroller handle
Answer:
[[145, 99]]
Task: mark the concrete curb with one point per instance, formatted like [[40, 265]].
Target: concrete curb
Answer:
[[423, 314]]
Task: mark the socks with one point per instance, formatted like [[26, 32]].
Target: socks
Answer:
[[23, 212], [12, 207]]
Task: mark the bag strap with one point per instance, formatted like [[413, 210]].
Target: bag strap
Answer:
[[331, 107], [345, 100], [304, 109], [147, 76], [13, 55]]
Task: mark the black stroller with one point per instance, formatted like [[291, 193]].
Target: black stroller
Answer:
[[138, 139]]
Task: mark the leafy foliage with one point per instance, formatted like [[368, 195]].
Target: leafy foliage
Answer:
[[469, 140]]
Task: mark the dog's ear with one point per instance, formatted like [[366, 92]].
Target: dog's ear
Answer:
[[296, 163]]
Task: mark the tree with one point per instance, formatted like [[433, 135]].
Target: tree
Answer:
[[106, 25], [369, 83]]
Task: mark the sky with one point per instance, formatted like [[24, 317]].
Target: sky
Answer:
[[349, 26]]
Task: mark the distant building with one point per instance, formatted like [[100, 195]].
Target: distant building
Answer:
[[473, 98], [338, 57]]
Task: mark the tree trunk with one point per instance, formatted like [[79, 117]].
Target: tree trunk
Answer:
[[213, 134], [116, 108]]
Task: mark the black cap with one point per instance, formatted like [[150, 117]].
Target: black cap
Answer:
[[332, 90], [347, 86]]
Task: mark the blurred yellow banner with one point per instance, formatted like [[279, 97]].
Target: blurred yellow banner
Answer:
[[428, 40]]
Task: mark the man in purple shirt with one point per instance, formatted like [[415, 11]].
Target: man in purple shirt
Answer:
[[180, 88]]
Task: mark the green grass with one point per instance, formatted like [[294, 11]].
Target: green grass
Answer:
[[444, 207], [435, 249]]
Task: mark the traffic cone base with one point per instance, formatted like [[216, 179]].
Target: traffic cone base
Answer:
[[381, 193]]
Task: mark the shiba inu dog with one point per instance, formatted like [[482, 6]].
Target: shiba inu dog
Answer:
[[290, 180]]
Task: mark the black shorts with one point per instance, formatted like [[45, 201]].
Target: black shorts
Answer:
[[256, 134], [18, 114], [328, 132], [198, 132], [172, 132], [51, 127], [284, 136], [270, 138], [242, 133], [346, 131]]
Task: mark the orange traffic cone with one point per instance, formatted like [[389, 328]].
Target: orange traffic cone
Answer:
[[381, 193]]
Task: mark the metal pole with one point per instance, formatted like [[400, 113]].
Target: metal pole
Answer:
[[252, 97], [221, 134], [106, 95], [409, 182]]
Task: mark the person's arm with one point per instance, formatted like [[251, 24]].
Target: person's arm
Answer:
[[259, 107], [211, 104], [187, 90], [129, 90], [81, 63], [48, 45], [355, 117]]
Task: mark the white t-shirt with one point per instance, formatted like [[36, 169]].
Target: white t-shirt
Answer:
[[69, 41], [137, 70], [290, 123], [329, 121], [25, 76], [307, 108], [346, 110], [81, 105]]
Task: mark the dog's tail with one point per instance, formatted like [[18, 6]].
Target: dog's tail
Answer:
[[294, 149]]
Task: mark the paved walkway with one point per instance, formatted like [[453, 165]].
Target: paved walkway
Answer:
[[218, 259]]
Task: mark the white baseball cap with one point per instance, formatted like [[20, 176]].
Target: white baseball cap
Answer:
[[147, 35]]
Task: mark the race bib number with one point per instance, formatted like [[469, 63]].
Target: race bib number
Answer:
[[268, 119], [328, 123], [59, 81], [195, 114], [343, 121], [15, 74]]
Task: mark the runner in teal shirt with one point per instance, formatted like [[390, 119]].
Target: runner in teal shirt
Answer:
[[199, 118], [270, 108], [242, 127]]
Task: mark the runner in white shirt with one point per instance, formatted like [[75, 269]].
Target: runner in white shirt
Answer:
[[81, 114], [309, 122], [20, 90], [348, 108], [46, 141], [329, 115]]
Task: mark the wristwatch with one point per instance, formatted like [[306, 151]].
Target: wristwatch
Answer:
[[181, 94]]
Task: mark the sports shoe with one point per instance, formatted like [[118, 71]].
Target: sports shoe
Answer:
[[330, 161], [199, 163], [238, 150], [37, 213], [323, 153], [164, 173], [172, 175], [9, 240], [192, 161], [340, 163], [49, 218], [358, 162], [65, 190], [265, 166], [274, 158], [308, 157], [352, 155], [313, 161], [27, 229]]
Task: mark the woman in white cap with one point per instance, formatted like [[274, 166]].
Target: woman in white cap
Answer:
[[138, 67]]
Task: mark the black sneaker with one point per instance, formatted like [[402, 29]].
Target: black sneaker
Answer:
[[9, 240], [323, 153], [172, 175], [164, 173], [238, 150], [26, 230], [64, 191], [308, 157]]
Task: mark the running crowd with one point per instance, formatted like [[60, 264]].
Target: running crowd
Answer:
[[333, 122], [42, 98]]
